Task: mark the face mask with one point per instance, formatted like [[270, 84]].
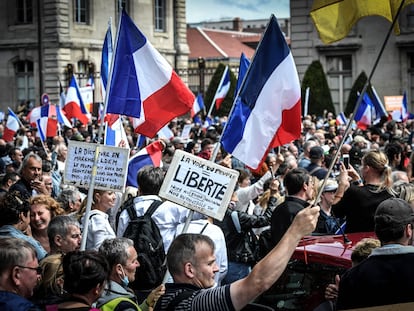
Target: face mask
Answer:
[[124, 279]]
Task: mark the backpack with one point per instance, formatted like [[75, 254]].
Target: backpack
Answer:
[[149, 246]]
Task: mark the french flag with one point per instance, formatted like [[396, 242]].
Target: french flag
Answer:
[[243, 66], [48, 112], [61, 117], [12, 126], [115, 132], [143, 84], [74, 105], [150, 155], [41, 125], [341, 119], [363, 116], [404, 110], [267, 111], [165, 133], [198, 105], [223, 88], [380, 110], [107, 51]]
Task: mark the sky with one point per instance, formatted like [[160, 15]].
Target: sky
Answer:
[[214, 10]]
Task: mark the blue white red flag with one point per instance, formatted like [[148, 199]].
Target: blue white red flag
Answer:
[[223, 88], [141, 141], [150, 155], [243, 66], [74, 106], [41, 125], [61, 117], [47, 111], [380, 110], [198, 105], [143, 84], [341, 119], [12, 126], [91, 82], [107, 51], [197, 120], [363, 116], [207, 123], [165, 133], [267, 112], [404, 108], [115, 132]]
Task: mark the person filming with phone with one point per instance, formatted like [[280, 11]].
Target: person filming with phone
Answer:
[[357, 198]]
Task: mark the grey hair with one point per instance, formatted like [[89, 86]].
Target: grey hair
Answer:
[[27, 158], [116, 250], [14, 252], [59, 225]]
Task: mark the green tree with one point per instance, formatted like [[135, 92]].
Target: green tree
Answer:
[[320, 98], [212, 88]]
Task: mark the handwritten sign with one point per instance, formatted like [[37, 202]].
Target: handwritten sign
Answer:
[[393, 103], [198, 184], [111, 170]]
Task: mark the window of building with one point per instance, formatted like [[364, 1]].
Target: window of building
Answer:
[[82, 14], [339, 72], [24, 81], [124, 5], [160, 15], [24, 11]]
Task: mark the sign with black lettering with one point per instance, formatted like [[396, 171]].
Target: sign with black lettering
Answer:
[[111, 169], [198, 184]]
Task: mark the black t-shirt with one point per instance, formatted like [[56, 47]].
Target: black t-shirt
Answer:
[[358, 205]]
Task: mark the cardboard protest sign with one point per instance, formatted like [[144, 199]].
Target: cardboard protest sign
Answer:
[[111, 170], [199, 184]]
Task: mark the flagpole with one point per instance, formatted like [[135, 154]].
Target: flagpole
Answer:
[[305, 110], [220, 84], [98, 143], [217, 147], [358, 103]]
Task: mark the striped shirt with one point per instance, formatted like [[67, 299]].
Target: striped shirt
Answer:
[[211, 299]]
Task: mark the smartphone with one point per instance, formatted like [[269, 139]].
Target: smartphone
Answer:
[[345, 158]]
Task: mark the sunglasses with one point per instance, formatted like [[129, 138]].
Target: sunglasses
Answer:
[[38, 270]]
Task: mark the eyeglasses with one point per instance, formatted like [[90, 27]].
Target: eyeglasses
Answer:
[[38, 270]]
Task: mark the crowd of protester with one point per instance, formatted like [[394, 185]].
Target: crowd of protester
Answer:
[[46, 216]]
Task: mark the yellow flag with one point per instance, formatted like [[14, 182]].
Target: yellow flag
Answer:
[[335, 18]]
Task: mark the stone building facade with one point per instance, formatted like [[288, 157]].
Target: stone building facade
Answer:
[[344, 60], [44, 41]]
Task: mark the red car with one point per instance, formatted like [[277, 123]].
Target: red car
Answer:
[[313, 266]]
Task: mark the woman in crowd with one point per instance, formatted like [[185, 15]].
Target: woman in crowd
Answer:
[[42, 209], [99, 228], [15, 220], [358, 201], [50, 288], [86, 274]]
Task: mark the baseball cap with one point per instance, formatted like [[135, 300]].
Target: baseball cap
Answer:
[[330, 185], [391, 213], [316, 152]]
